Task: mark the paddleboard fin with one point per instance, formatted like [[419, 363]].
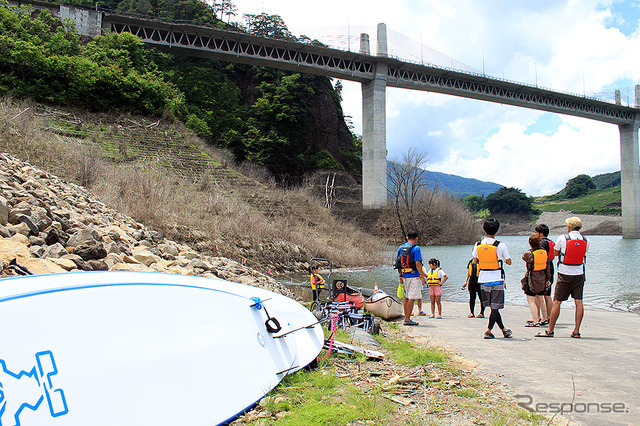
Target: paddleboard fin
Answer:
[[257, 303]]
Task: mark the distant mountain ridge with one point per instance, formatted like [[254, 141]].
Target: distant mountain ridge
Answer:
[[457, 186]]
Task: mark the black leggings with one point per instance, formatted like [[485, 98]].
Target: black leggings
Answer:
[[473, 291], [495, 318]]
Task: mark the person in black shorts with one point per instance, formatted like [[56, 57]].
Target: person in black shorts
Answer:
[[474, 289], [571, 249], [542, 232]]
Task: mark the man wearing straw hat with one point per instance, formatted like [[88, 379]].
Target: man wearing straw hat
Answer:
[[571, 249]]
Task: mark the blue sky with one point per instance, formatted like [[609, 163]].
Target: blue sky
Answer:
[[579, 46]]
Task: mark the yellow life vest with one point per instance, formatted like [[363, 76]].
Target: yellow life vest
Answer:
[[540, 258], [488, 256], [432, 277], [473, 269], [317, 282]]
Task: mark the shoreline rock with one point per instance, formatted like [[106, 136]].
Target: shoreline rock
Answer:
[[51, 226]]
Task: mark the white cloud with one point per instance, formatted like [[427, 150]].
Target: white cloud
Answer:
[[540, 164], [577, 46]]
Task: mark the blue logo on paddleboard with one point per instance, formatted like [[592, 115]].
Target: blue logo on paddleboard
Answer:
[[261, 339], [26, 390]]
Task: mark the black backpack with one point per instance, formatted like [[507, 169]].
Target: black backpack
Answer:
[[405, 259]]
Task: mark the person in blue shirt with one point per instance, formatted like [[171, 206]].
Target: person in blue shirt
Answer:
[[409, 262]]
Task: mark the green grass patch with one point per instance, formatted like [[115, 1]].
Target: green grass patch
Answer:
[[320, 397], [405, 353], [530, 416], [466, 392], [592, 203]]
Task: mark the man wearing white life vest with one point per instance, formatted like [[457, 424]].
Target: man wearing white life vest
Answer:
[[489, 254], [571, 250]]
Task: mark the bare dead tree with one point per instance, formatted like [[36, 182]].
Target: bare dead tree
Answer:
[[329, 191], [407, 182]]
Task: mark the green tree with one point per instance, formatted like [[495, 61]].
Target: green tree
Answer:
[[228, 9], [268, 26], [43, 59], [474, 203], [606, 180], [324, 160], [276, 129], [578, 186], [277, 118], [510, 200]]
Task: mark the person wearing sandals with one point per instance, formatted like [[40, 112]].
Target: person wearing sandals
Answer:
[[436, 277], [489, 254], [471, 282], [536, 280], [409, 265], [571, 249], [542, 232]]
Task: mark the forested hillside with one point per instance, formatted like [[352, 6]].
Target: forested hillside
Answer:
[[583, 194], [288, 122]]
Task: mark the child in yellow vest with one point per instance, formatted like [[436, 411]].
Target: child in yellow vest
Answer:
[[436, 277], [317, 283]]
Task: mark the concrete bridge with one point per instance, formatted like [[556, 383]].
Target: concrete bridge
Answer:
[[375, 73]]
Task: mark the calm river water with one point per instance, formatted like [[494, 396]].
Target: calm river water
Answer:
[[613, 272]]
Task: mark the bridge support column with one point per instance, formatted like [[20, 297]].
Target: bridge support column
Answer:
[[374, 132], [630, 178]]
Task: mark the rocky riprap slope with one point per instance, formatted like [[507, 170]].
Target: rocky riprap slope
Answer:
[[49, 226]]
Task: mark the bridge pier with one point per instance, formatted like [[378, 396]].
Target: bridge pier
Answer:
[[630, 175], [374, 128]]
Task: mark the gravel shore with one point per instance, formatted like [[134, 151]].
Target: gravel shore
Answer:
[[591, 224]]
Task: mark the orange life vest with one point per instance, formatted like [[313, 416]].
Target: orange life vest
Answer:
[[488, 256], [540, 259]]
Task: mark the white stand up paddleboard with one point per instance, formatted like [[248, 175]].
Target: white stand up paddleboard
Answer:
[[137, 348]]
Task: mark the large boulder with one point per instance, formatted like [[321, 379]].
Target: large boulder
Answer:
[[90, 249], [4, 211], [40, 266], [10, 249]]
